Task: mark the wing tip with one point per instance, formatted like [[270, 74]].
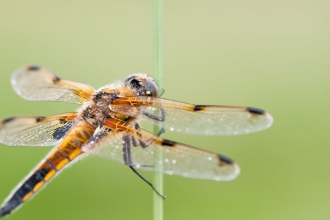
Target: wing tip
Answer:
[[33, 67], [225, 159], [8, 119], [255, 111], [260, 112], [231, 166]]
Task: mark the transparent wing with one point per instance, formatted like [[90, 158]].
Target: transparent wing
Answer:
[[35, 131], [39, 84], [195, 119], [177, 159]]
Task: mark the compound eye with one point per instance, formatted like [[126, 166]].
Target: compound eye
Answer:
[[133, 82], [151, 88]]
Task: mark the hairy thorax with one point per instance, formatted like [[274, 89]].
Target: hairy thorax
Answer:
[[98, 107]]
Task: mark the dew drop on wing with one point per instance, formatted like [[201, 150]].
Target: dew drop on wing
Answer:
[[217, 178]]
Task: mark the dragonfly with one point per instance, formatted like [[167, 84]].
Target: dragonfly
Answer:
[[108, 125]]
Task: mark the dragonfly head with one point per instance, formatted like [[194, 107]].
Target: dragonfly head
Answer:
[[143, 84]]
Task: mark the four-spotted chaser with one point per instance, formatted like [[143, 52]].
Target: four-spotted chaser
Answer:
[[107, 125]]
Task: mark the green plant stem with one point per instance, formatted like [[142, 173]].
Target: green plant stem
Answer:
[[158, 76]]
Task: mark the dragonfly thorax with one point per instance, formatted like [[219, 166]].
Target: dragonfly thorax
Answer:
[[96, 109]]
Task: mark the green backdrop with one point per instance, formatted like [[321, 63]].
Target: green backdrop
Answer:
[[268, 54]]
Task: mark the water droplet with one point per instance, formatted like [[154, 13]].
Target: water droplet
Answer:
[[217, 178]]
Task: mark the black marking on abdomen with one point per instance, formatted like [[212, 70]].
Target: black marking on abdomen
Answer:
[[199, 107], [255, 111], [225, 159], [10, 205], [33, 67], [168, 143], [9, 119], [25, 188]]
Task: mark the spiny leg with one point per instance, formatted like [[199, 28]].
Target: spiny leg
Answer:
[[147, 181], [127, 150], [137, 127], [127, 156], [157, 118]]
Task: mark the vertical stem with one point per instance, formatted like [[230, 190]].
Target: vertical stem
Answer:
[[158, 75]]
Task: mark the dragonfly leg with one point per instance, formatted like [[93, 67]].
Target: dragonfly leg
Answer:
[[127, 156], [143, 143], [155, 117], [137, 127], [147, 181]]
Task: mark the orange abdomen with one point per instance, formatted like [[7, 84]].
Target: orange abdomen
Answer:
[[61, 155]]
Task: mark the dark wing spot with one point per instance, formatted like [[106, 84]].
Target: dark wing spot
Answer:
[[60, 132], [225, 159], [168, 143], [39, 119], [33, 67], [255, 111], [199, 107], [6, 120], [56, 79]]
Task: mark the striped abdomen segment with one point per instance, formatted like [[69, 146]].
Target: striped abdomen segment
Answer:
[[60, 156]]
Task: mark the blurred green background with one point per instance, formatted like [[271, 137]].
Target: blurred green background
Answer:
[[273, 55]]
